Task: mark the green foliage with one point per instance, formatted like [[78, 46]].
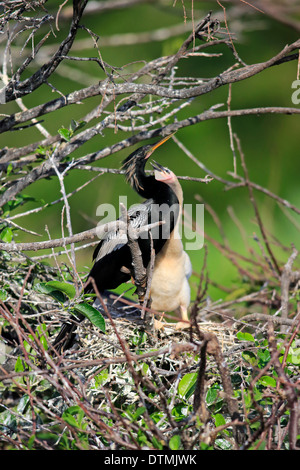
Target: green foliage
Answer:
[[91, 313], [3, 295], [64, 292], [75, 126], [175, 443], [187, 385], [54, 286], [55, 289], [6, 235], [244, 336], [125, 405], [15, 203]]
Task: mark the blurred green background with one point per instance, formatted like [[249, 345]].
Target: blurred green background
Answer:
[[270, 142]]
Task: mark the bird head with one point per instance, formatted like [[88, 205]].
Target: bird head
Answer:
[[167, 176], [162, 173], [135, 163]]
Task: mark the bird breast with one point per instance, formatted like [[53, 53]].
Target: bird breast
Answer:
[[169, 287]]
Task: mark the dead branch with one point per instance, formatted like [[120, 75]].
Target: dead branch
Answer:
[[252, 199], [287, 277], [86, 235]]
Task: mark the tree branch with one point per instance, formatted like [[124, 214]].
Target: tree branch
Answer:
[[16, 89], [106, 88]]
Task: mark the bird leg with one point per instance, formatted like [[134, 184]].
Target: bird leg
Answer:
[[158, 324], [184, 322]]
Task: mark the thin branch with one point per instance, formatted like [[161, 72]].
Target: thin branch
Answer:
[[59, 242], [45, 169], [274, 261], [66, 202], [16, 89], [105, 88]]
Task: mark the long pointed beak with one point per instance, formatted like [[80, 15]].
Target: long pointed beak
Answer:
[[158, 167], [158, 144]]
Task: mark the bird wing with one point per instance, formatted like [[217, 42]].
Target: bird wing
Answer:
[[139, 213], [115, 239]]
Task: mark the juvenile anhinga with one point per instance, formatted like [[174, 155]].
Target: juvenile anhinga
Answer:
[[112, 257]]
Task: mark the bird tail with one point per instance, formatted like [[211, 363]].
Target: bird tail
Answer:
[[66, 336]]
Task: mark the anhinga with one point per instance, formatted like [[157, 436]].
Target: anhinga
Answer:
[[112, 257]]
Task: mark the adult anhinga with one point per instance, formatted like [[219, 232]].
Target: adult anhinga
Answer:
[[112, 257]]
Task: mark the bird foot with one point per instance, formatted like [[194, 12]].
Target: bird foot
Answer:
[[181, 325], [158, 325]]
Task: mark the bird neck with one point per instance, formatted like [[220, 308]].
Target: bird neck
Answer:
[[160, 192]]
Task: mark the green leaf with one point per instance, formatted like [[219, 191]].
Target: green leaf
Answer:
[[6, 235], [43, 333], [295, 356], [187, 385], [41, 150], [174, 442], [139, 338], [3, 295], [156, 443], [219, 420], [42, 288], [19, 367], [101, 378], [66, 134], [180, 411], [23, 404], [75, 126], [92, 314], [9, 169], [145, 368], [264, 355], [64, 287], [138, 413], [16, 202], [267, 381], [212, 395], [250, 357], [257, 394], [69, 418], [223, 444], [245, 336], [74, 416], [31, 441], [58, 290]]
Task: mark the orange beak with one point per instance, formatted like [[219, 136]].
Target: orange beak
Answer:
[[158, 144]]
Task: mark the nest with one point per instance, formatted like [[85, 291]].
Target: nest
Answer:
[[124, 323]]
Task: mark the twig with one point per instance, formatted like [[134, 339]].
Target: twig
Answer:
[[274, 261], [286, 279], [86, 235], [290, 392], [66, 202]]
